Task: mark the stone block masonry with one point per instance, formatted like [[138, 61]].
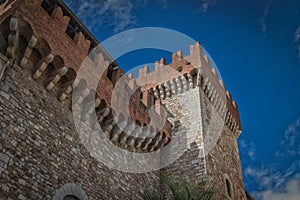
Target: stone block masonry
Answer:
[[186, 108], [42, 46], [198, 100], [40, 150]]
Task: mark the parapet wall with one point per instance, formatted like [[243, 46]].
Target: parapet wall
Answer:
[[43, 36], [43, 42], [194, 70]]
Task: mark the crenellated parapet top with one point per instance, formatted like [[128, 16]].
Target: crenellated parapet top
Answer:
[[55, 42], [54, 22], [61, 81], [194, 70], [71, 24]]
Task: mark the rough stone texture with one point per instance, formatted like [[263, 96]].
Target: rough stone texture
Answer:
[[222, 161], [41, 151], [212, 138], [186, 108], [212, 153]]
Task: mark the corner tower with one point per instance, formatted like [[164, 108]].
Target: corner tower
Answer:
[[201, 107]]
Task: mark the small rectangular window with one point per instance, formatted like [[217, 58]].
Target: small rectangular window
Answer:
[[141, 96], [110, 73]]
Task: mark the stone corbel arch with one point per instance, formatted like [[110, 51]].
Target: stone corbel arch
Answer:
[[70, 189]]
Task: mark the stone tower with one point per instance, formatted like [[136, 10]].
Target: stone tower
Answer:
[[42, 156], [200, 106]]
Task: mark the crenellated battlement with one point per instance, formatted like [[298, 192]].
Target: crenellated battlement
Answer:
[[193, 70], [55, 23], [44, 90], [58, 55], [26, 51]]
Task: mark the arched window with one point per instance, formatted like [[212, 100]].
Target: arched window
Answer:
[[228, 188], [141, 96], [71, 197], [110, 73], [70, 191]]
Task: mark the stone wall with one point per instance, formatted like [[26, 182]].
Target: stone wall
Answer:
[[186, 108], [40, 150], [212, 152], [226, 151], [222, 155]]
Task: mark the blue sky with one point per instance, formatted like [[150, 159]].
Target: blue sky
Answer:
[[256, 46]]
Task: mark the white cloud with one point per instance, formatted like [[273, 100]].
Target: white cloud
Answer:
[[297, 40], [270, 180], [251, 153], [262, 177], [164, 3], [277, 181], [247, 148], [115, 13], [291, 191], [263, 19], [291, 141], [292, 132], [297, 35], [205, 4], [118, 14], [256, 173]]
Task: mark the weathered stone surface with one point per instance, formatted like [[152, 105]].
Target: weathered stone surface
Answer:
[[40, 149], [41, 154]]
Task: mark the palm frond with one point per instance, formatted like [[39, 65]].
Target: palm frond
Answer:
[[153, 195], [182, 190]]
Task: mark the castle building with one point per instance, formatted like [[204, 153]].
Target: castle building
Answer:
[[42, 154]]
